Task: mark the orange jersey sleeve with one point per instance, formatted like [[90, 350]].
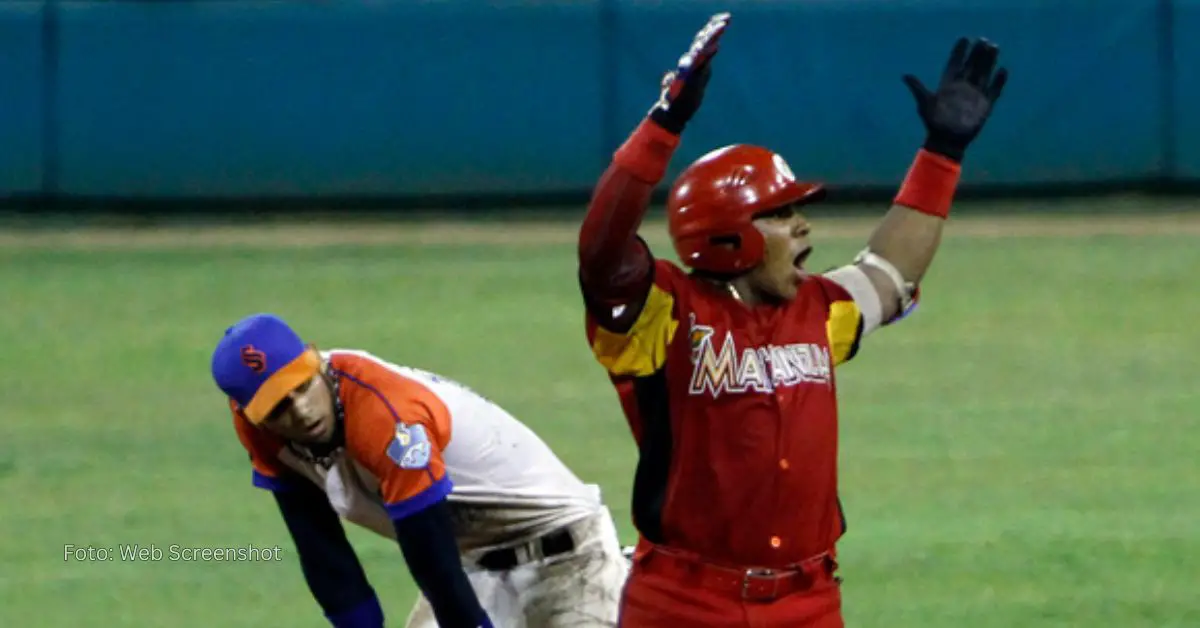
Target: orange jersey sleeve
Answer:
[[263, 448], [396, 428]]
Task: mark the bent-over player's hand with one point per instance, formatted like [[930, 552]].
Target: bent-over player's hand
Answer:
[[683, 87], [955, 113]]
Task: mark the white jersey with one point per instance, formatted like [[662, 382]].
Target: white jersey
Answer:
[[505, 485]]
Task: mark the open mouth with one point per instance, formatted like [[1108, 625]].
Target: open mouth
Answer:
[[798, 261], [798, 264]]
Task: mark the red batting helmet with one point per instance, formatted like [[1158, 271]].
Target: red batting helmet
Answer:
[[713, 203]]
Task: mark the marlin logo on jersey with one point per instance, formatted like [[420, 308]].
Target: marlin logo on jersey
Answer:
[[726, 369]]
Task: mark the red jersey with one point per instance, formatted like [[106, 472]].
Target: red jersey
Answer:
[[735, 413]]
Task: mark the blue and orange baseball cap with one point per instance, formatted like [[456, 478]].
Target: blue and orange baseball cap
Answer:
[[259, 361]]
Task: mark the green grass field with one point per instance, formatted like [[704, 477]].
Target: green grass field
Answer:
[[1022, 452]]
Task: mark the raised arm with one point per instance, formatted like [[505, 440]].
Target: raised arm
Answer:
[[902, 247], [615, 266]]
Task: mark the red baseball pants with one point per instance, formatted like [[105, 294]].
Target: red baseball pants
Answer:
[[660, 594]]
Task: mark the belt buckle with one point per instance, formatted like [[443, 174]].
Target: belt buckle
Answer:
[[760, 573]]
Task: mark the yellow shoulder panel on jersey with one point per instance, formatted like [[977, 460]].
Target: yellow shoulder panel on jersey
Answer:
[[642, 350], [844, 330]]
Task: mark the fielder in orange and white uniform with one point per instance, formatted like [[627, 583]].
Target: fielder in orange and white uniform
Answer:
[[495, 530]]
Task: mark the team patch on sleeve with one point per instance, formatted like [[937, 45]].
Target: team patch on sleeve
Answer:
[[410, 447]]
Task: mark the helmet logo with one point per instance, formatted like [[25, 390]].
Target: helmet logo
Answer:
[[784, 170], [741, 177]]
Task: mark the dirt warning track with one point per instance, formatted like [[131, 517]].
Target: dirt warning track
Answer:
[[550, 232]]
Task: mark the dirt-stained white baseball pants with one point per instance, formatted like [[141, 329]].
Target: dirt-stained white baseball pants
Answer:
[[579, 589]]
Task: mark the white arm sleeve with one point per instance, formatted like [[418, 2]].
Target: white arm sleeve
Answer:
[[859, 285], [906, 289]]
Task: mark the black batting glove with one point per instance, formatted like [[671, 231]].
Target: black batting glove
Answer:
[[955, 113], [683, 87]]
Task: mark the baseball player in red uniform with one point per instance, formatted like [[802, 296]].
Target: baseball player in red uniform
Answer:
[[726, 372]]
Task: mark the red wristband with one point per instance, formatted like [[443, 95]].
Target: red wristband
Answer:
[[647, 152], [930, 184]]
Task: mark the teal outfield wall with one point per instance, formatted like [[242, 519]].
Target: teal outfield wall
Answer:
[[232, 99]]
